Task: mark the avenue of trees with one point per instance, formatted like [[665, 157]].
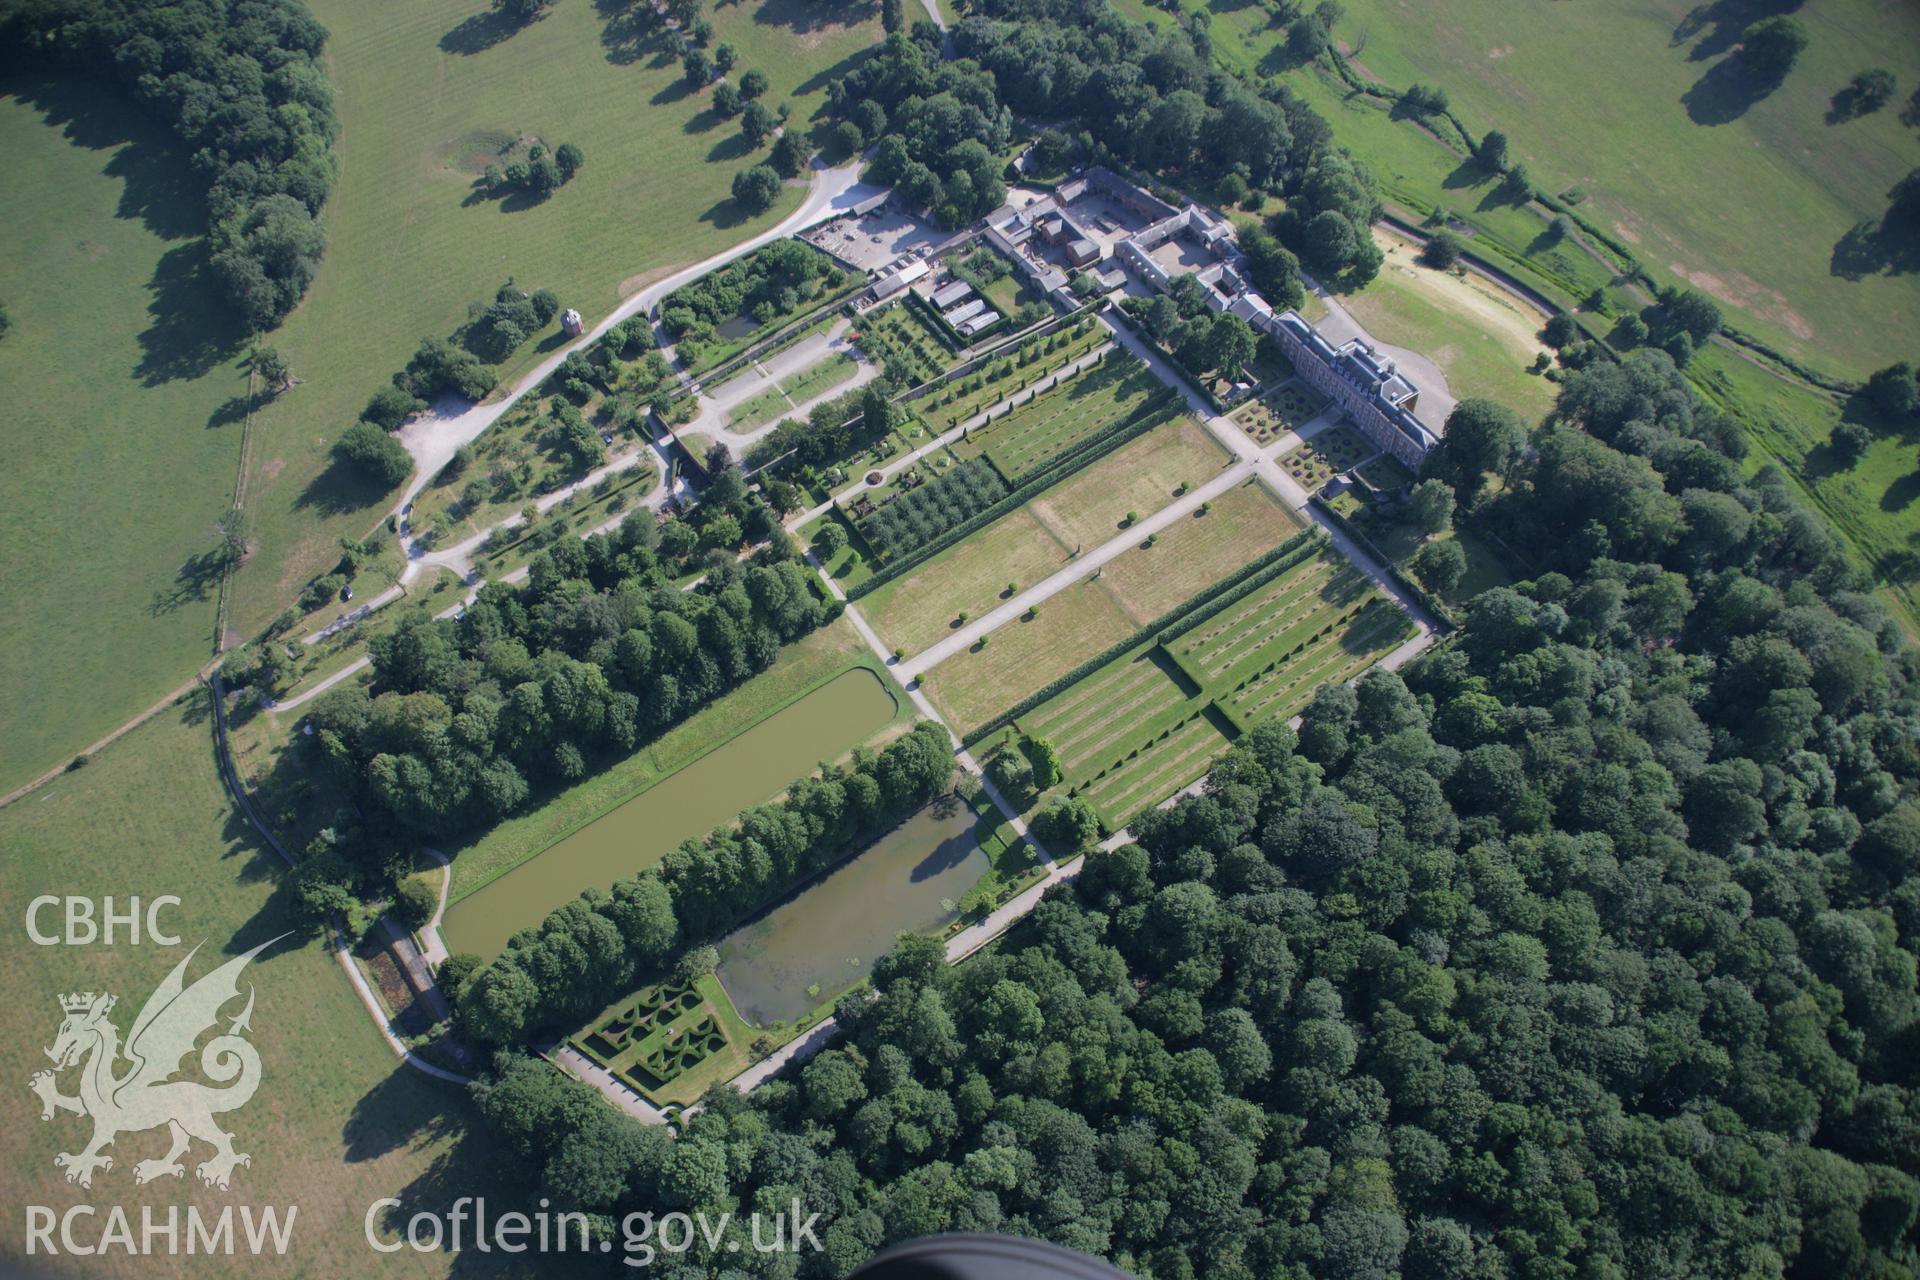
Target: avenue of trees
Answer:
[[1587, 948], [597, 946], [240, 83]]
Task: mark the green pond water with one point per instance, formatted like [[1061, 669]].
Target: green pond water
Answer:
[[830, 933], [744, 771]]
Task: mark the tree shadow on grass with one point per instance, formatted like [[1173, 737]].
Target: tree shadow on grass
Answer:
[[194, 583], [231, 411], [341, 488], [703, 121], [629, 34], [732, 147], [1726, 92], [1902, 493], [191, 329], [828, 75], [1728, 20], [804, 17], [478, 33], [1892, 245], [676, 91]]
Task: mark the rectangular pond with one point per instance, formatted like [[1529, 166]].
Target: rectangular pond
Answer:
[[827, 936], [745, 770]]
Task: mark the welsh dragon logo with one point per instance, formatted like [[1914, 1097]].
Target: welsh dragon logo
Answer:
[[145, 1095]]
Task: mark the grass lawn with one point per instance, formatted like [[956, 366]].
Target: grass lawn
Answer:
[[1139, 477], [120, 454], [1198, 551], [915, 610], [1482, 338], [1129, 700], [337, 1123], [801, 666], [784, 398], [423, 95], [1024, 439], [980, 682], [1626, 104]]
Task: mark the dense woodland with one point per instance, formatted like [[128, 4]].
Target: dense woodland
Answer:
[[596, 654], [1586, 949], [241, 84]]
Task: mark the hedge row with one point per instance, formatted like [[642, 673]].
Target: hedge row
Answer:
[[1170, 623], [1081, 455]]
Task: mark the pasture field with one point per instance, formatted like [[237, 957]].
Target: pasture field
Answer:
[[1482, 338], [426, 96], [1634, 109], [337, 1123], [1021, 656], [1875, 501], [1193, 553], [1027, 438], [121, 449]]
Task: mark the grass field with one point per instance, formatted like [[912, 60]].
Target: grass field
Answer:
[[1140, 477], [423, 95], [1482, 338], [1026, 545], [120, 457], [918, 608], [980, 682], [1194, 553], [1625, 105], [337, 1122], [1875, 502], [1673, 141], [1146, 724], [1128, 592]]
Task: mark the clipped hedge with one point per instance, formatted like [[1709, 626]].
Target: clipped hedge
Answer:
[[1174, 621], [1075, 459]]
